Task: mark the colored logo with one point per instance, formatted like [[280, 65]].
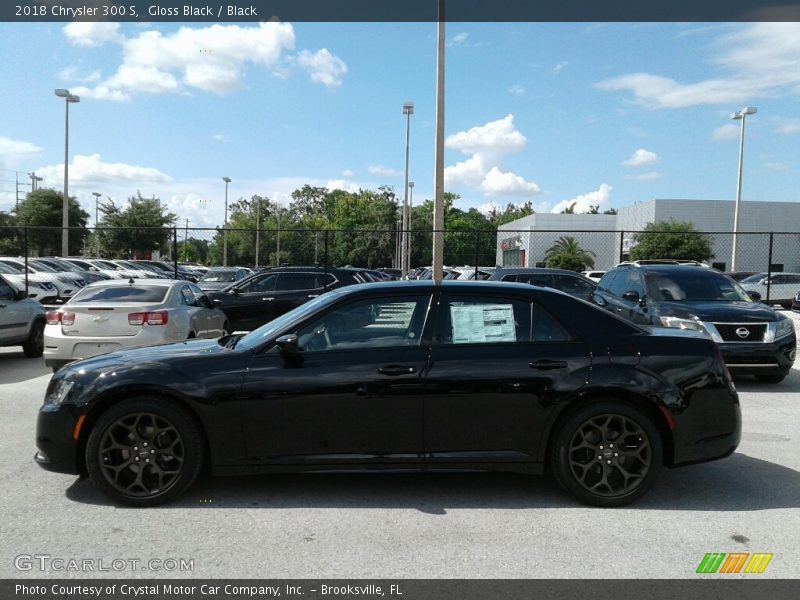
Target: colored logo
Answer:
[[734, 562]]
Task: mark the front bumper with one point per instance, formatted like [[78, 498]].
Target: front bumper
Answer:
[[756, 357], [57, 450]]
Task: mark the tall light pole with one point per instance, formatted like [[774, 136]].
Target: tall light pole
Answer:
[[96, 221], [186, 242], [438, 195], [408, 110], [227, 180], [258, 225], [278, 248], [410, 237], [68, 98], [739, 116]]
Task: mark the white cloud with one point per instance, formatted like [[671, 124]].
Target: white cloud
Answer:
[[342, 184], [90, 34], [640, 158], [496, 137], [500, 183], [761, 59], [73, 75], [383, 171], [347, 173], [219, 137], [212, 59], [323, 67], [725, 133], [560, 67], [777, 166], [789, 127], [10, 148], [583, 202], [490, 207], [91, 170], [458, 39], [487, 144], [516, 90]]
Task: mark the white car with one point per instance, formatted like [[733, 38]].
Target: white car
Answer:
[[783, 287], [111, 315], [593, 275], [65, 286], [41, 291]]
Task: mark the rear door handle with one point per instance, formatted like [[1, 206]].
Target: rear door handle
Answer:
[[395, 370], [313, 295], [267, 299], [547, 365]]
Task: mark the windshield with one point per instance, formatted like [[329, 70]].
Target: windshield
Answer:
[[150, 294], [754, 278], [275, 326], [40, 266], [219, 276], [4, 268], [695, 286]]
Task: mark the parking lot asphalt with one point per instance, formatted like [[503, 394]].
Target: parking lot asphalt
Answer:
[[408, 526]]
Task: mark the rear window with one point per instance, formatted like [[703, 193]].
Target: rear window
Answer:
[[135, 293]]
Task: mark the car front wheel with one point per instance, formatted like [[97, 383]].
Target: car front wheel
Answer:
[[34, 346], [607, 453], [144, 452]]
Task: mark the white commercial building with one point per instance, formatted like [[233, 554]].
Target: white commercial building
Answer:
[[525, 241]]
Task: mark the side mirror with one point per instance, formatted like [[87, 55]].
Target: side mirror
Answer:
[[290, 350], [631, 296], [20, 295], [754, 295]]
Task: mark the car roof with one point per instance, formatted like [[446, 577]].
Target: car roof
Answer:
[[450, 284], [123, 282], [533, 270], [665, 269]]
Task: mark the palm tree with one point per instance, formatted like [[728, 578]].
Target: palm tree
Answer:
[[566, 253], [569, 210]]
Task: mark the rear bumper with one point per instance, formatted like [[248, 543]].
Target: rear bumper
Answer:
[[60, 349], [709, 429], [754, 358]]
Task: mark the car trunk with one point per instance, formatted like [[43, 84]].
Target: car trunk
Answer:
[[105, 320]]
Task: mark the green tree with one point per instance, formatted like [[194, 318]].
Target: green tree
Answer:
[[10, 236], [511, 213], [610, 211], [44, 208], [566, 253], [671, 239], [594, 209], [569, 210], [142, 226]]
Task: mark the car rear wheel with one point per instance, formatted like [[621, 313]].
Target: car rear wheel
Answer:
[[144, 452], [606, 454], [34, 346]]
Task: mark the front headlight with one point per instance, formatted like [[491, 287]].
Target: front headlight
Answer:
[[783, 328], [693, 324], [59, 392]]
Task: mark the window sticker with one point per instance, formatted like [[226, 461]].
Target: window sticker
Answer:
[[482, 323]]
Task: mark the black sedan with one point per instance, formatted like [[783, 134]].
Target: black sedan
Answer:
[[399, 376]]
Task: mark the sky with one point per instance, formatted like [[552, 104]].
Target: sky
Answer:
[[555, 114]]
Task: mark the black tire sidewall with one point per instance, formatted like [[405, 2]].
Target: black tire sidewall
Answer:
[[186, 426], [34, 346], [559, 453]]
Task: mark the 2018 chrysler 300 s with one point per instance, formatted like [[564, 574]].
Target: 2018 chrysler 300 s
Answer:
[[403, 375]]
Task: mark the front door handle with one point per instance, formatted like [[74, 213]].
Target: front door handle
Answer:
[[313, 295], [267, 299], [395, 370], [548, 365]]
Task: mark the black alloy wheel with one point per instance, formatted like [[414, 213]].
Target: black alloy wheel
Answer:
[[144, 452], [607, 454]]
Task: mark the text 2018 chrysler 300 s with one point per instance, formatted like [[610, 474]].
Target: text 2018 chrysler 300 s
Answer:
[[403, 375]]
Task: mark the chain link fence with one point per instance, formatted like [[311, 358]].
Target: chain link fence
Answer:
[[775, 254]]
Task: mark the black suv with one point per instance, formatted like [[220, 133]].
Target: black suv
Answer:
[[258, 299], [753, 338], [570, 282]]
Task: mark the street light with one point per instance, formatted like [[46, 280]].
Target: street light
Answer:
[[227, 180], [258, 225], [68, 98], [739, 116], [96, 221], [410, 206], [408, 110], [438, 160]]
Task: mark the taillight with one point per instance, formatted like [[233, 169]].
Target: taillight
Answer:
[[53, 318], [68, 318], [159, 317]]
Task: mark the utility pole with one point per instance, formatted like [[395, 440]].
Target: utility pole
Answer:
[[258, 227], [96, 221], [438, 199]]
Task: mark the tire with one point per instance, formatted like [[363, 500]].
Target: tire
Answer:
[[34, 346], [776, 377], [587, 439], [142, 429]]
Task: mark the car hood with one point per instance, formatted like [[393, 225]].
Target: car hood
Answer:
[[213, 285], [149, 354], [733, 312]]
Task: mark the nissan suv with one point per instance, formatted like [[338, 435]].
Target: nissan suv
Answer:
[[21, 320], [754, 338]]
